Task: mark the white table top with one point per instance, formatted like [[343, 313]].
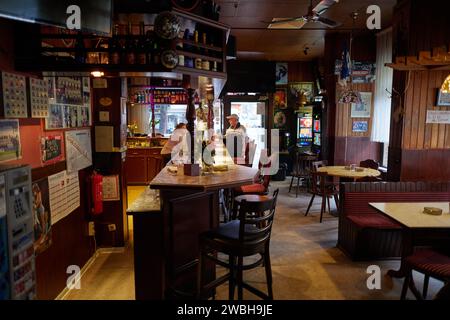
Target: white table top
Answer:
[[410, 214]]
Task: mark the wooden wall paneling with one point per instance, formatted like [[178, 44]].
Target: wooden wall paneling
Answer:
[[435, 127], [441, 127], [424, 91], [429, 105], [408, 111], [415, 107]]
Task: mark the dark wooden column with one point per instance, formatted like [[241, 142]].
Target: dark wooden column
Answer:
[[192, 168]]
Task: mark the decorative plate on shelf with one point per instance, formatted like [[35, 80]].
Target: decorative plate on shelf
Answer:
[[167, 25], [169, 59]]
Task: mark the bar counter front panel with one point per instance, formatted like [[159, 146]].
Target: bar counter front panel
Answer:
[[167, 220]]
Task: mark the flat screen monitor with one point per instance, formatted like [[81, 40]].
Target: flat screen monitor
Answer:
[[316, 125], [305, 122], [96, 16], [316, 139], [305, 133]]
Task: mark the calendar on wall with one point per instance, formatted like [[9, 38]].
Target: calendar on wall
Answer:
[[14, 95], [38, 98]]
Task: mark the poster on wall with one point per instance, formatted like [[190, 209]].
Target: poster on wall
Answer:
[[281, 75], [298, 89], [64, 194], [78, 149], [38, 98], [14, 95], [55, 119], [363, 109], [362, 72], [110, 185], [10, 148], [280, 99], [360, 126], [42, 216], [51, 148], [443, 99]]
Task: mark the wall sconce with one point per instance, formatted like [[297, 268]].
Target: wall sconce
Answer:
[[97, 74], [445, 88]]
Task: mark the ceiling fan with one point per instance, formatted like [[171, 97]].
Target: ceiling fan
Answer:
[[313, 15]]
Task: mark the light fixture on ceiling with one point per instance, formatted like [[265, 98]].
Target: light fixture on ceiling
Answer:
[[97, 74], [445, 88], [349, 95]]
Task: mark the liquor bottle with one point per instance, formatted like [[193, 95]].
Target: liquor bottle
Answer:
[[148, 47], [156, 54], [186, 47], [196, 49], [205, 63], [114, 47], [130, 47], [141, 54]]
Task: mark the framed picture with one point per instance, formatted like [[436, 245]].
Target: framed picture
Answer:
[[443, 99], [360, 126], [298, 89], [363, 109], [281, 75], [279, 119], [280, 99]]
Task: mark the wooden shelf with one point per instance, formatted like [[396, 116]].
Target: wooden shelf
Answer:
[[200, 45], [196, 55], [201, 72], [438, 59]]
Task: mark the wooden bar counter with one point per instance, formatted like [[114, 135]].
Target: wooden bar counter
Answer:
[[167, 220]]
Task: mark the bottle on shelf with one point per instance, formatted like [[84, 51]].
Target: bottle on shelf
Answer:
[[156, 54], [130, 47], [141, 49], [114, 46], [149, 47], [205, 63]]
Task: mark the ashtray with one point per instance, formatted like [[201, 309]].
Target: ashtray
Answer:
[[347, 167], [359, 169], [432, 211]]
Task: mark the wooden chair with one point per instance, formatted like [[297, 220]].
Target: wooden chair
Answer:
[[320, 187], [301, 170], [250, 150], [317, 164], [247, 236], [369, 163], [429, 262]]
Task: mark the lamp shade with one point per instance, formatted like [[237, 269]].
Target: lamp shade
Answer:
[[445, 88], [350, 96]]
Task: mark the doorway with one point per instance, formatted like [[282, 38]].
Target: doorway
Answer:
[[252, 114]]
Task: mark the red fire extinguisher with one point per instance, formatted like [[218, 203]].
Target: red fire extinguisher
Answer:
[[97, 193]]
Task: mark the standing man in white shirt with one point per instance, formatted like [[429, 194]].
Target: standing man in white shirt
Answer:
[[236, 138]]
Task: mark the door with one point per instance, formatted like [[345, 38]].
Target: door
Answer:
[[252, 115]]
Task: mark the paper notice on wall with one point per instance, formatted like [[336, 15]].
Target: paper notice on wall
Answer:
[[64, 194], [78, 150], [438, 116]]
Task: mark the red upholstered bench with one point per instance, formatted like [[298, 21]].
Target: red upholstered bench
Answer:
[[365, 233]]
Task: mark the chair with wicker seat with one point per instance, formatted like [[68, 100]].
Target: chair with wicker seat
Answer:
[[429, 262], [320, 187], [247, 236], [301, 170]]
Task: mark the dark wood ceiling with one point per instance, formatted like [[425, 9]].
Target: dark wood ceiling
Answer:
[[248, 20]]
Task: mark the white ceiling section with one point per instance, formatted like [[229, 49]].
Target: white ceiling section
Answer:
[[249, 20]]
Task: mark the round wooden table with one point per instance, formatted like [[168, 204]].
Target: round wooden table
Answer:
[[341, 172]]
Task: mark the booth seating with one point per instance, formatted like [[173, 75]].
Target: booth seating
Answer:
[[365, 233]]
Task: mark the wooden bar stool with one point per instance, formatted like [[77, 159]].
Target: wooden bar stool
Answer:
[[247, 236]]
